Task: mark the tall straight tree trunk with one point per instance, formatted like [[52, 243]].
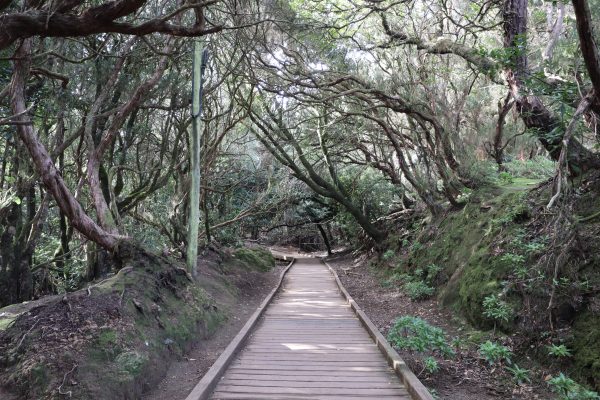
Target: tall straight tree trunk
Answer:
[[200, 59]]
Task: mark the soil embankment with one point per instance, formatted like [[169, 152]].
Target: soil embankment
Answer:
[[117, 338]]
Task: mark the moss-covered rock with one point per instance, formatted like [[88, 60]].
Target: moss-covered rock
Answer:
[[256, 258]]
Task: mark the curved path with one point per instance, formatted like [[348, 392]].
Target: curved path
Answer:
[[310, 345]]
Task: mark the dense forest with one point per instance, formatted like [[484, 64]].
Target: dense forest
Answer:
[[453, 146]]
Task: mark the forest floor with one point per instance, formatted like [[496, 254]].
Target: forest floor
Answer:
[[464, 377], [185, 373]]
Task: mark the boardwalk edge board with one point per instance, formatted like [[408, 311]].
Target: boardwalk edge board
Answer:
[[207, 384], [415, 387]]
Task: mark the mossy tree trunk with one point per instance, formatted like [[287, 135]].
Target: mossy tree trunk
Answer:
[[200, 59]]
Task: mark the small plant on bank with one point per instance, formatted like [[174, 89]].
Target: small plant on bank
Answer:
[[431, 365], [413, 333], [559, 351], [568, 389], [434, 393], [496, 309], [513, 259], [418, 290], [418, 285], [494, 352], [388, 255], [506, 178], [520, 375]]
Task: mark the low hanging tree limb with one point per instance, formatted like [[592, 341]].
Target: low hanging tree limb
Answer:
[[67, 21]]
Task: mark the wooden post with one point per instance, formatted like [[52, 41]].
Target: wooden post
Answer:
[[199, 65]]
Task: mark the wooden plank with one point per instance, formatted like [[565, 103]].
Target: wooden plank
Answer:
[[251, 396], [310, 344], [318, 383], [208, 382], [374, 393], [312, 377]]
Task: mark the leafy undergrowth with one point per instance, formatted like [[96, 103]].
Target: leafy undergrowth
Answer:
[[510, 266], [114, 340]]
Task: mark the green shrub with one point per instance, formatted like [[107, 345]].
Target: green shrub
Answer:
[[388, 255], [568, 389], [538, 168], [494, 352], [413, 333], [429, 273], [496, 309], [506, 178], [396, 278], [520, 375], [430, 365], [480, 173], [512, 259], [418, 290], [559, 351]]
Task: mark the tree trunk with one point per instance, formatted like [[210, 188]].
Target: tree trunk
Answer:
[[325, 238], [536, 116], [200, 59], [42, 162]]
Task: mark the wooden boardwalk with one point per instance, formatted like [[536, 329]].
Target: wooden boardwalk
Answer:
[[310, 345]]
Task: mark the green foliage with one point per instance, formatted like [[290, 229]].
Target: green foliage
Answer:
[[397, 278], [516, 213], [414, 333], [568, 389], [496, 309], [431, 365], [585, 346], [257, 258], [494, 352], [130, 362], [513, 259], [416, 246], [520, 375], [388, 255], [506, 178], [418, 285], [429, 273], [536, 168], [418, 290], [559, 351], [481, 173]]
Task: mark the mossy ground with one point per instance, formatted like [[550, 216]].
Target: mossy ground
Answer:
[[116, 339], [502, 243], [257, 259]]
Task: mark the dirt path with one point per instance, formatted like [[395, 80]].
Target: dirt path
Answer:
[[184, 374], [466, 377]]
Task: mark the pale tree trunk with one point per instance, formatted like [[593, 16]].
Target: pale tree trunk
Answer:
[[554, 29], [200, 59], [41, 160]]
